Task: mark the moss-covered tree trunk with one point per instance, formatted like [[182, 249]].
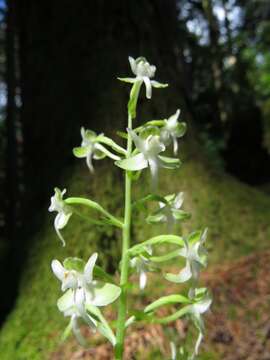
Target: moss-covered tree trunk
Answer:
[[70, 55]]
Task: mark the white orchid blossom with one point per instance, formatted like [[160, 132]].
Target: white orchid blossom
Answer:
[[172, 130], [169, 210], [142, 265], [149, 155], [196, 310], [83, 293], [195, 260], [91, 148], [149, 149], [64, 212], [95, 292], [74, 279], [173, 203], [143, 72]]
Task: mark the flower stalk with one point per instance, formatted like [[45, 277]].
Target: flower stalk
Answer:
[[122, 310]]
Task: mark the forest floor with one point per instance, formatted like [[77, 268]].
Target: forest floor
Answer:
[[238, 324]]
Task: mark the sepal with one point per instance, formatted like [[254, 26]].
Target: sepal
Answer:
[[74, 263]]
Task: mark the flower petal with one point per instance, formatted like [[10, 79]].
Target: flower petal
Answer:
[[157, 218], [175, 145], [184, 275], [148, 87], [80, 152], [157, 84], [60, 236], [89, 161], [172, 121], [178, 201], [168, 162], [139, 143], [134, 163], [198, 343], [127, 80], [58, 269], [143, 279], [102, 294], [61, 220], [66, 301], [76, 331], [89, 267], [133, 64], [173, 350], [70, 281], [203, 305], [153, 164], [155, 146]]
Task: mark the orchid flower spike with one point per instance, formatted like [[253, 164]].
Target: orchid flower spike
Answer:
[[195, 255], [172, 130], [143, 72], [64, 212], [91, 148]]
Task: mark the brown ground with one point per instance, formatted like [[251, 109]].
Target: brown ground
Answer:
[[238, 326]]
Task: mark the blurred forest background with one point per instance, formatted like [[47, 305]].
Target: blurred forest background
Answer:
[[59, 61]]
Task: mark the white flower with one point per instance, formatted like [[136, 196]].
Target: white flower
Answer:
[[199, 307], [95, 292], [195, 255], [174, 203], [149, 149], [172, 130], [74, 279], [143, 72], [142, 265], [196, 310], [83, 293], [89, 148], [169, 210], [64, 212], [149, 155]]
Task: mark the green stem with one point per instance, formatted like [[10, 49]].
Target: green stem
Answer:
[[91, 221], [93, 205], [122, 309]]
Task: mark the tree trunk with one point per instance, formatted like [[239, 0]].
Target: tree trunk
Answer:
[[71, 53], [216, 61]]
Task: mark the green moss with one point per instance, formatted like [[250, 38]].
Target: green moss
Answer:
[[236, 214]]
